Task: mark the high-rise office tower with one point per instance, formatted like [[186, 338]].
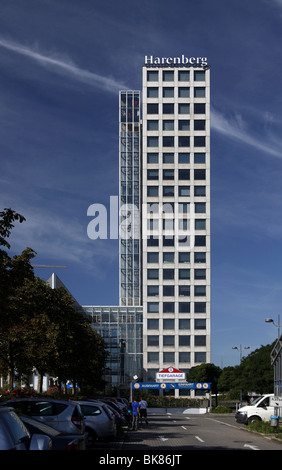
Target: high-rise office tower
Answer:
[[176, 214], [165, 211]]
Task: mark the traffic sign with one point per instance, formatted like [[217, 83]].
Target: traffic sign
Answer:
[[171, 386], [275, 401], [170, 373]]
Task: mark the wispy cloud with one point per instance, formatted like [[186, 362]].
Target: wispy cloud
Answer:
[[278, 2], [56, 237], [65, 66], [235, 128]]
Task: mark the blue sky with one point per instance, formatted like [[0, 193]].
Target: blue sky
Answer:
[[62, 63]]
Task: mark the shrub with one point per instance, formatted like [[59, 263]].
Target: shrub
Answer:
[[221, 409], [171, 402], [7, 393], [264, 427]]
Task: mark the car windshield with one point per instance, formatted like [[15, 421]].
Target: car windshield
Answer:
[[256, 400]]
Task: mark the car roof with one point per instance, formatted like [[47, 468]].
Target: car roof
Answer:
[[86, 402], [6, 408], [51, 400]]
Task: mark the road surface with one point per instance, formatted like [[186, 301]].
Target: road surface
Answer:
[[182, 432]]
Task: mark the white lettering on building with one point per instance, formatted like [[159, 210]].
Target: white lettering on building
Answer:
[[181, 60]]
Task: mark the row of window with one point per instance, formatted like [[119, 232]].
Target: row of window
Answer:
[[169, 323], [170, 92], [171, 191], [169, 307], [169, 340], [170, 357], [153, 158], [180, 241], [169, 108], [169, 291], [181, 223], [182, 173], [169, 208], [182, 141], [170, 75], [171, 124], [183, 273], [169, 257], [130, 98], [169, 224]]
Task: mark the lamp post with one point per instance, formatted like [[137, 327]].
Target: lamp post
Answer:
[[131, 392], [277, 363], [270, 320], [241, 354], [241, 350]]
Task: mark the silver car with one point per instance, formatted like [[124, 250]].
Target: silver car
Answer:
[[99, 421], [15, 436], [65, 416]]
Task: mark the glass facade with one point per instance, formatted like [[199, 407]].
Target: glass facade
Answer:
[[129, 198], [121, 328]]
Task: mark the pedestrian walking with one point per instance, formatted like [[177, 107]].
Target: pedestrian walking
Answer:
[[135, 415], [143, 405]]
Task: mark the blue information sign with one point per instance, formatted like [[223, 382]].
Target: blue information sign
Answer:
[[170, 386]]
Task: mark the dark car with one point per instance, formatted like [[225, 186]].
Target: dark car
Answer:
[[15, 436], [118, 413], [60, 441]]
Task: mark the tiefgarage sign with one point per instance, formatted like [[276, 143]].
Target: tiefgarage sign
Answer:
[[170, 373]]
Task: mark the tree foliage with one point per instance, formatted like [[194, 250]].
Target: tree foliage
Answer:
[[39, 326], [254, 374]]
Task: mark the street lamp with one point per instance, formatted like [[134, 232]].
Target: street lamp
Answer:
[[241, 353], [270, 320], [240, 350], [135, 378]]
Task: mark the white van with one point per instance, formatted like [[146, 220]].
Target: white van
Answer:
[[258, 410]]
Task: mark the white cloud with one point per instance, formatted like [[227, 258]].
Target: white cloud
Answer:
[[73, 71], [278, 2], [61, 239], [236, 129]]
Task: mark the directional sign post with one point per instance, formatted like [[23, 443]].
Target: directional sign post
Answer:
[[275, 401], [170, 386]]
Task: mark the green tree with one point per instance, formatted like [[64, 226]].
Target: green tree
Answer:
[[13, 272], [52, 336], [229, 381], [256, 371], [206, 373], [7, 217], [39, 326]]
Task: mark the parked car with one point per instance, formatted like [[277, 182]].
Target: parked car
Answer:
[[120, 406], [113, 404], [99, 421], [258, 410], [118, 403], [15, 436], [118, 414], [60, 441], [122, 401], [65, 416]]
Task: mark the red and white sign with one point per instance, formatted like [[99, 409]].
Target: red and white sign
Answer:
[[170, 373]]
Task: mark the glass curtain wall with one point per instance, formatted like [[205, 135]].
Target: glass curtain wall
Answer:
[[129, 198], [121, 328]]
